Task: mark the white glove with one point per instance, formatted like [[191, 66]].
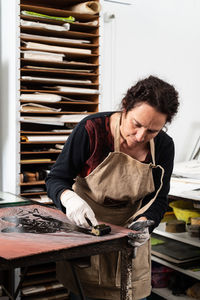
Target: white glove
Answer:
[[77, 209], [140, 233]]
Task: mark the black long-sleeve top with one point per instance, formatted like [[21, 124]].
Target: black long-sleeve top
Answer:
[[89, 144]]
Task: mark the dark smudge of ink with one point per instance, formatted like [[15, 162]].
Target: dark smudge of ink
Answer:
[[25, 223]]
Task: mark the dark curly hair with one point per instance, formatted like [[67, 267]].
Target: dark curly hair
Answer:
[[155, 92]]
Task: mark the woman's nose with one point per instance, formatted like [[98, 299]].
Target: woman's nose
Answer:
[[140, 135]]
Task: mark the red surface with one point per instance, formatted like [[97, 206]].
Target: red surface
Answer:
[[16, 245]]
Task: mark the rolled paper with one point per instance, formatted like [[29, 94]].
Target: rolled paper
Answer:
[[89, 7]]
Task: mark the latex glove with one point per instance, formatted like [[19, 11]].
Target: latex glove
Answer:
[[77, 209], [140, 233]]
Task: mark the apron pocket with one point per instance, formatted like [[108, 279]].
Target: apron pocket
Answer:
[[91, 274], [142, 263], [108, 269]]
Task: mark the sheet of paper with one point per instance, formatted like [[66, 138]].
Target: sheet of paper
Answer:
[[32, 24], [56, 80], [39, 46], [55, 39], [42, 56], [71, 89], [185, 188], [47, 138]]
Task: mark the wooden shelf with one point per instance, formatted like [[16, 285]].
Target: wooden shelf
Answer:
[[67, 34], [59, 12], [45, 132], [77, 74], [38, 162], [32, 194], [62, 64], [68, 54], [167, 294], [40, 152], [41, 142], [39, 182], [62, 102], [73, 25], [44, 39], [194, 274], [181, 237]]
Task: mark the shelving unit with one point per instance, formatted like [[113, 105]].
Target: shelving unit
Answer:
[[183, 237], [41, 142], [78, 69]]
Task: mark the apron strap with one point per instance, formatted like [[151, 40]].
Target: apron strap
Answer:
[[117, 134], [152, 150], [144, 208]]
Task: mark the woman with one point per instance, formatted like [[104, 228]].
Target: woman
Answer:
[[116, 167]]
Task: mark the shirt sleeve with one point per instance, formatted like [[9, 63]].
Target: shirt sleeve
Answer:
[[165, 158], [68, 164]]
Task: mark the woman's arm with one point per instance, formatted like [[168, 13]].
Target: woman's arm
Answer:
[[68, 164]]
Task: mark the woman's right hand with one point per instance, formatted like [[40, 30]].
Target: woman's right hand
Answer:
[[77, 209]]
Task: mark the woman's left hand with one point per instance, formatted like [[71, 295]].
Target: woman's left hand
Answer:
[[140, 234]]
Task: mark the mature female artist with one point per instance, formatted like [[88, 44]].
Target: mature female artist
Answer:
[[116, 167]]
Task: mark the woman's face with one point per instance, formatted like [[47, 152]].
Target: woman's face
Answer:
[[141, 124]]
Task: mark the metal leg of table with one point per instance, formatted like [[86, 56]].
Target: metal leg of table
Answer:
[[126, 272]]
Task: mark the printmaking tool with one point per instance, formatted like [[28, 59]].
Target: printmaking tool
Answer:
[[100, 229], [34, 222]]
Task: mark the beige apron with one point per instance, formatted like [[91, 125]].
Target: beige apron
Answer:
[[114, 190]]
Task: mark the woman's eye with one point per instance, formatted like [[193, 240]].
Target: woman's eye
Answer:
[[137, 125]]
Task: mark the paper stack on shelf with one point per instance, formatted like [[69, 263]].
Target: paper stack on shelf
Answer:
[[58, 146], [60, 120], [44, 16], [33, 107], [59, 69], [44, 138], [42, 97], [54, 39], [42, 120], [72, 118], [59, 80], [88, 7], [187, 169], [70, 89], [31, 290], [185, 180], [43, 56], [45, 47], [32, 24]]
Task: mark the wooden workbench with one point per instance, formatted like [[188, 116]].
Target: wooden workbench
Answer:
[[22, 249]]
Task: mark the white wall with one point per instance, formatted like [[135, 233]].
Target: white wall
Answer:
[[9, 89], [162, 38], [159, 37]]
